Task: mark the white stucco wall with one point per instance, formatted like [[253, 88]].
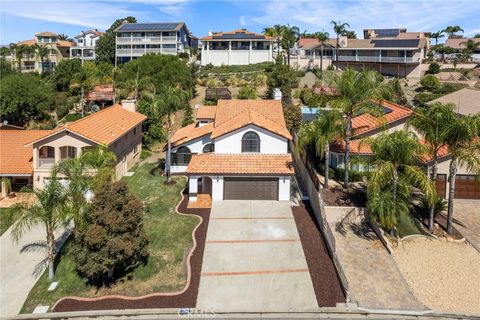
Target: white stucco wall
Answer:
[[195, 146], [217, 188], [269, 142], [284, 188], [235, 57]]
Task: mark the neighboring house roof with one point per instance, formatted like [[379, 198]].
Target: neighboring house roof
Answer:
[[157, 26], [95, 32], [102, 92], [46, 34], [240, 34], [357, 147], [206, 112], [30, 42], [384, 43], [241, 164], [190, 132], [392, 112], [466, 100], [60, 43], [64, 43], [104, 126], [235, 114], [450, 76], [311, 43], [459, 43], [15, 155]]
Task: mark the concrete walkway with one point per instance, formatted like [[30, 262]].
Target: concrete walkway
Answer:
[[374, 280], [467, 211], [253, 260], [19, 271]]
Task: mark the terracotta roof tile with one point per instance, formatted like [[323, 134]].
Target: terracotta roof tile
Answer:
[[190, 132], [101, 92], [234, 114], [356, 147], [366, 122], [15, 155], [206, 112], [104, 126], [459, 43], [242, 163], [46, 34]]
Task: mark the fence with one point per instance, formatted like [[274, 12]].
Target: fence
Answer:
[[318, 207]]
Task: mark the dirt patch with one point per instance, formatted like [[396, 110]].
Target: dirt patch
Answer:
[[443, 275], [344, 197], [326, 284], [187, 299]]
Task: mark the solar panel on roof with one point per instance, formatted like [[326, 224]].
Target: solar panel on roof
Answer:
[[387, 32], [147, 26], [395, 43]]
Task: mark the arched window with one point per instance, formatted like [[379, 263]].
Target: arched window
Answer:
[[46, 152], [68, 152], [181, 157], [250, 142], [210, 147]]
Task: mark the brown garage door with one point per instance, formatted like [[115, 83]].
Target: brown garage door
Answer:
[[250, 189], [466, 187], [441, 185]]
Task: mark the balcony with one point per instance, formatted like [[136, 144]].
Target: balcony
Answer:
[[379, 59], [147, 39], [46, 162]]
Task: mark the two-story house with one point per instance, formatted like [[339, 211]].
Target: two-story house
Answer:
[[28, 156], [133, 40], [392, 52], [395, 118], [238, 47], [85, 44], [236, 150], [32, 62]]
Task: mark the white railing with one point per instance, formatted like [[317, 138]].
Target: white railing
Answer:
[[123, 51], [46, 162], [169, 38], [124, 40], [138, 51], [154, 50], [169, 50], [378, 59]]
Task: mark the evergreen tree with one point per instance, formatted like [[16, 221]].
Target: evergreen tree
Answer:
[[188, 115]]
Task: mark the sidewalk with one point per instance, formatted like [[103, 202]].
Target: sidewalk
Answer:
[[19, 270], [374, 280]]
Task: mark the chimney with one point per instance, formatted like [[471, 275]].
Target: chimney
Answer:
[[129, 104], [210, 33], [342, 41], [277, 94]]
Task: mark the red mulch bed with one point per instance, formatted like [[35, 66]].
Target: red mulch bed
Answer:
[[341, 197], [187, 299], [326, 283]]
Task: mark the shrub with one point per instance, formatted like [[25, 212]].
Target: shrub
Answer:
[[113, 241], [293, 117], [183, 55], [247, 92], [430, 83], [433, 68]]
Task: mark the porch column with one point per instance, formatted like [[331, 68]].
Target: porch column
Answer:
[[57, 155], [4, 188], [405, 56], [229, 51], [250, 53], [192, 188]]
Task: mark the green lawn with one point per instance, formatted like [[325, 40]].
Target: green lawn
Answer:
[[170, 239], [406, 226], [4, 222]]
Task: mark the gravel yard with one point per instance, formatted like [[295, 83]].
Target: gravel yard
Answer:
[[445, 276]]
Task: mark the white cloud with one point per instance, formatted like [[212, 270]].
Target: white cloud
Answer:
[[419, 15], [243, 23]]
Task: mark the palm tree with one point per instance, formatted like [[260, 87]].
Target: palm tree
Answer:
[[276, 32], [321, 37], [395, 156], [5, 51], [289, 38], [136, 87], [432, 123], [62, 36], [322, 131], [470, 46], [452, 31], [168, 101], [356, 94], [42, 52], [437, 35], [462, 138], [81, 80], [339, 28], [47, 210], [18, 51]]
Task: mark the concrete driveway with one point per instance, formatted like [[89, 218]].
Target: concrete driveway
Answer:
[[21, 264], [254, 260], [467, 211]]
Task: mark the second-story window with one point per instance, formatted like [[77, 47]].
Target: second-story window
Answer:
[[68, 152], [250, 142], [210, 147]]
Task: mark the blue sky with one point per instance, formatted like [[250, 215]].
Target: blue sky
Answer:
[[19, 20]]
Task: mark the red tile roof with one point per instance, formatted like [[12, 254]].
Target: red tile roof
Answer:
[[101, 92], [104, 126], [364, 123], [190, 132], [206, 112], [236, 32], [242, 163], [15, 155]]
